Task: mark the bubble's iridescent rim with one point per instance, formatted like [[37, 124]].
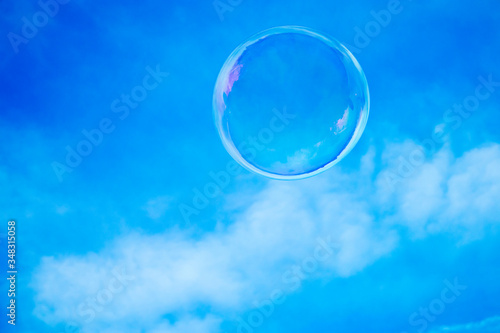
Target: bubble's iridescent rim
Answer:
[[222, 83]]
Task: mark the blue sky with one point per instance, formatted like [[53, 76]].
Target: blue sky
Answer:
[[401, 236]]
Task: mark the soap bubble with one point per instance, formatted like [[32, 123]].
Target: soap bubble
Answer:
[[290, 103]]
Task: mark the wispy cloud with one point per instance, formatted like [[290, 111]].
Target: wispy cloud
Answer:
[[229, 269], [488, 325], [446, 193], [157, 207]]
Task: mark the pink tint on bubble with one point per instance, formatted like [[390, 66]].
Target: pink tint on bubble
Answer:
[[342, 122], [233, 77]]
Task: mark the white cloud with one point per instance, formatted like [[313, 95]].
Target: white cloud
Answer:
[[488, 325], [189, 324], [61, 210], [445, 193], [157, 207], [230, 268]]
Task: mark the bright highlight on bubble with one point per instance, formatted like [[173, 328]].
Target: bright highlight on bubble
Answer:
[[290, 103]]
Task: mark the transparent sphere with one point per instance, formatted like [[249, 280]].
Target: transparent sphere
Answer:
[[290, 103]]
